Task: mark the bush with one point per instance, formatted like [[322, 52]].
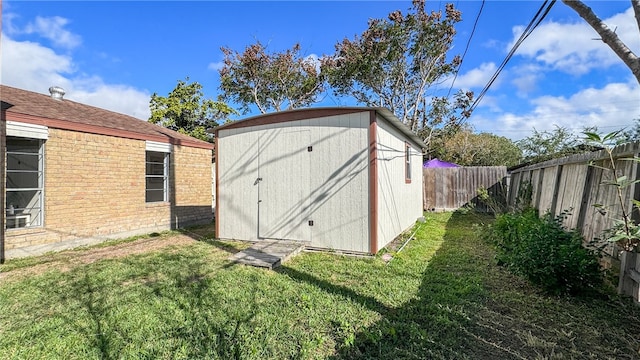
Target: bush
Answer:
[[544, 252]]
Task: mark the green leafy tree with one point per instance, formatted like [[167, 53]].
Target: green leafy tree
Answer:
[[187, 111], [396, 63], [470, 149], [547, 145], [270, 81]]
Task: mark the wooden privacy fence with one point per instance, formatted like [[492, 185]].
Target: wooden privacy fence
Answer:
[[452, 188], [571, 185]]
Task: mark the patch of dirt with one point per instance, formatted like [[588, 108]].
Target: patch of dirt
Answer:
[[399, 241], [70, 259]]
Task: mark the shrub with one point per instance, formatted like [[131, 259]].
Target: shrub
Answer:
[[544, 252]]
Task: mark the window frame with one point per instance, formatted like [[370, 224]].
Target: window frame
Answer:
[[407, 163], [166, 163], [16, 214]]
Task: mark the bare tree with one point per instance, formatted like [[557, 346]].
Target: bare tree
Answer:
[[609, 36]]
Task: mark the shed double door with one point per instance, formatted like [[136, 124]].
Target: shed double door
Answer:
[[284, 183]]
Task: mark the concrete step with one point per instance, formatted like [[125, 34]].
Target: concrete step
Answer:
[[268, 253]]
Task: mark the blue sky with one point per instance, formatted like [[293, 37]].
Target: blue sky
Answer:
[[116, 54]]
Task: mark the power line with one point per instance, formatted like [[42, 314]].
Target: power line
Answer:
[[537, 19], [473, 30]]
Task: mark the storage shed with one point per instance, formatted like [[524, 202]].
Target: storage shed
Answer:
[[76, 174], [346, 179]]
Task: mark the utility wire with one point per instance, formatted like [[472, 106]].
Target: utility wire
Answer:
[[475, 24], [540, 15]]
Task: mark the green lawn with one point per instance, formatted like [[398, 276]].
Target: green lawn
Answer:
[[441, 297]]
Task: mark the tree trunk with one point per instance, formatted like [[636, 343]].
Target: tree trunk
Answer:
[[608, 36]]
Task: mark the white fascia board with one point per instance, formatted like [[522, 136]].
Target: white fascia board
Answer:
[[158, 146], [24, 130]]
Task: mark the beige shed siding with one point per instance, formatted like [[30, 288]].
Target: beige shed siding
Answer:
[[284, 184], [335, 182], [399, 203], [339, 182], [237, 162], [95, 187]]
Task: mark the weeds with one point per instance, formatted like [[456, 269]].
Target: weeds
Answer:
[[544, 252]]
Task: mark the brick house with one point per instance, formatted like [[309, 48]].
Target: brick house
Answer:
[[77, 174]]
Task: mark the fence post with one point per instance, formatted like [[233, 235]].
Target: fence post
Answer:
[[629, 277], [635, 190]]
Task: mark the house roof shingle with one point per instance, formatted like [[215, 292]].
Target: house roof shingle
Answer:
[[34, 108]]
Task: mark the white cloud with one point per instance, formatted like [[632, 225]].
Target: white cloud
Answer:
[[119, 98], [52, 28], [609, 108], [31, 66], [478, 77], [215, 65], [8, 26], [571, 48], [492, 103], [525, 78], [525, 83]]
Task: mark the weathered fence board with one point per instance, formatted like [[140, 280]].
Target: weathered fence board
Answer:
[[571, 184], [452, 188], [629, 282]]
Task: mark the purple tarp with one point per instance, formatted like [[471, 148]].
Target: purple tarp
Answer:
[[436, 163]]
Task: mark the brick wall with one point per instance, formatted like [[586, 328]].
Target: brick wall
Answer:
[[191, 192], [95, 187]]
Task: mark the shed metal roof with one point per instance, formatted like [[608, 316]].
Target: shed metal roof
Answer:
[[311, 113]]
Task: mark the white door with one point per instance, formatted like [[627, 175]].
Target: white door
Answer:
[[284, 185]]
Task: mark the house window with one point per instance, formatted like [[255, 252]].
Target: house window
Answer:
[[25, 181], [407, 163], [157, 176]]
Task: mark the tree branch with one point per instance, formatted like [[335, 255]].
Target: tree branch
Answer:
[[610, 37]]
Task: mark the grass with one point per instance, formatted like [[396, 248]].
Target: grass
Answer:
[[441, 297]]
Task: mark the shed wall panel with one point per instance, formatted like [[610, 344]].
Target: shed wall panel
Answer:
[[237, 158], [283, 184], [337, 201], [399, 202], [339, 182]]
